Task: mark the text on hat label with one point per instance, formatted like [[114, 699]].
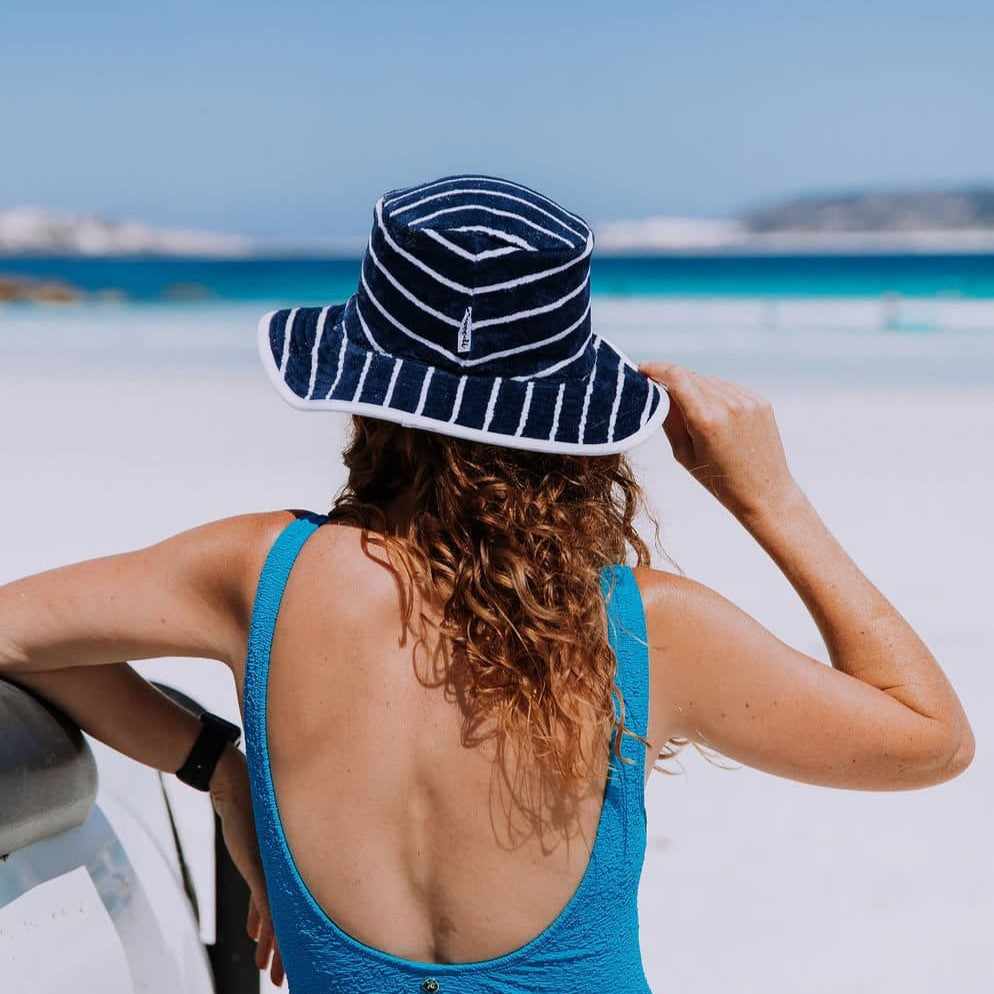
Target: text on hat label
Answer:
[[465, 331]]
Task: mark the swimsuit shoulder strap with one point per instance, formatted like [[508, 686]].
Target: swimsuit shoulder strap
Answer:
[[269, 596], [627, 635]]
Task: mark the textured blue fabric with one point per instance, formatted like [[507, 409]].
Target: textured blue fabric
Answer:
[[592, 945], [471, 318]]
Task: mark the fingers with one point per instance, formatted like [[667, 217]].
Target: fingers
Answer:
[[683, 385], [676, 431], [687, 402], [252, 923], [700, 396], [259, 926], [264, 946], [277, 973]]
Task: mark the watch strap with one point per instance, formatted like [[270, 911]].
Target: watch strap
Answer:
[[215, 734]]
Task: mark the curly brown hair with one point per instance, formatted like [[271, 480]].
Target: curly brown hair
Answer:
[[511, 542]]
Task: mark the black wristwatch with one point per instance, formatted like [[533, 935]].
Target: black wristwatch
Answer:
[[207, 750]]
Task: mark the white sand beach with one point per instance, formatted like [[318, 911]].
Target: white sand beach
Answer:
[[752, 884]]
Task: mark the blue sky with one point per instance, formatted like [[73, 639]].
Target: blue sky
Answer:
[[288, 119]]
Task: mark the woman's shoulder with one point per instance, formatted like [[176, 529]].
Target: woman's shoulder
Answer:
[[685, 610], [260, 529], [228, 554], [221, 561], [248, 538], [237, 540], [667, 592]]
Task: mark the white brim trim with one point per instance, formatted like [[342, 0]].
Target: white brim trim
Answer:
[[409, 420]]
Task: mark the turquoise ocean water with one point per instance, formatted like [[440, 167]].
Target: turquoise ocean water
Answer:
[[821, 318], [313, 281]]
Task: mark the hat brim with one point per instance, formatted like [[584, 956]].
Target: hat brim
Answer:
[[319, 367]]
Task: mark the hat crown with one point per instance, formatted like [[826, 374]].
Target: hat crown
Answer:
[[477, 274], [486, 213]]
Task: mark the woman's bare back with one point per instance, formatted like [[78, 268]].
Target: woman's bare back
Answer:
[[406, 837]]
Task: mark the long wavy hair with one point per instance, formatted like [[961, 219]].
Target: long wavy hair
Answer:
[[509, 544]]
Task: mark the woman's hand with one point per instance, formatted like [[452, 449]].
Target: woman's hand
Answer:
[[726, 437], [232, 799]]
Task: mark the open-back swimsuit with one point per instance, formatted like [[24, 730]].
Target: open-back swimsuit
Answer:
[[593, 943]]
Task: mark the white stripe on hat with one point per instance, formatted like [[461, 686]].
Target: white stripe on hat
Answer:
[[458, 401], [556, 366], [648, 401], [416, 191], [491, 402], [545, 341], [424, 390], [362, 376], [619, 388], [341, 359], [555, 416], [365, 329], [393, 379], [286, 340], [544, 309], [459, 250], [322, 317], [407, 331], [497, 233], [488, 193], [524, 408], [624, 359], [427, 308], [495, 212], [590, 387]]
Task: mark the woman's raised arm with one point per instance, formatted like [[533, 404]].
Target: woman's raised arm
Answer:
[[883, 716]]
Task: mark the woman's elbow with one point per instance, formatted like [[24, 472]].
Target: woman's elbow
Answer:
[[963, 756], [958, 757]]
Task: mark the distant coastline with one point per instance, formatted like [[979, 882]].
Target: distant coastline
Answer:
[[935, 222]]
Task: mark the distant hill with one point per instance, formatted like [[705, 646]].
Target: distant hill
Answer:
[[953, 220], [31, 231], [912, 210]]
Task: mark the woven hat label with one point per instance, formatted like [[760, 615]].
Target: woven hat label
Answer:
[[465, 331]]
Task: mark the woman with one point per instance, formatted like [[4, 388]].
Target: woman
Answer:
[[453, 688]]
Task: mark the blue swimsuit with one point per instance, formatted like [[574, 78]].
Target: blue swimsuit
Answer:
[[592, 945]]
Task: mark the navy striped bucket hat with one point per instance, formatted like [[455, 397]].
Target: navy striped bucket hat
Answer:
[[471, 318]]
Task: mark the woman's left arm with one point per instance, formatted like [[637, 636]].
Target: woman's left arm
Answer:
[[189, 595], [64, 632], [186, 596]]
